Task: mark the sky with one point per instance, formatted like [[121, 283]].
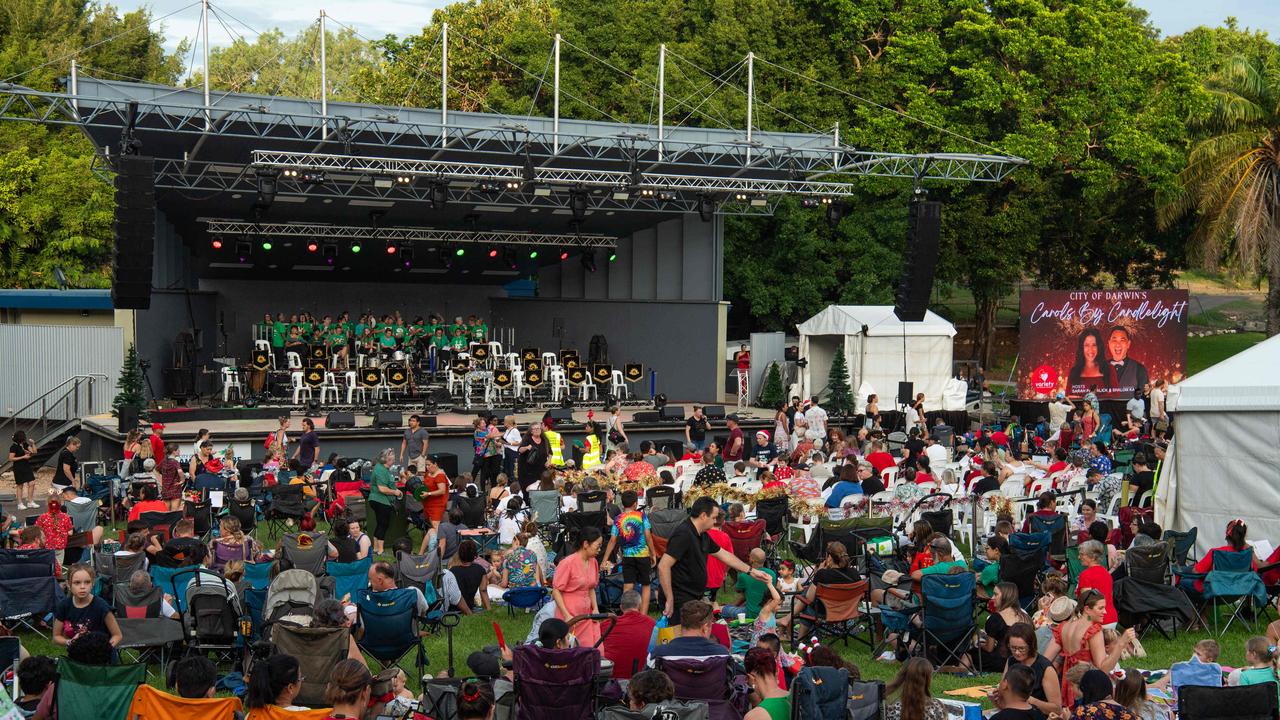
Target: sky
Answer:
[[375, 18]]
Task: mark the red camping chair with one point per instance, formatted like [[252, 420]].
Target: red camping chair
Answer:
[[746, 535]]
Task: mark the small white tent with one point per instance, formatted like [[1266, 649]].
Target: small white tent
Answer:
[[1222, 462], [875, 342]]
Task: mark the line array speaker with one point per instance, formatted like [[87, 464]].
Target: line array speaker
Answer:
[[135, 229], [340, 419], [924, 225]]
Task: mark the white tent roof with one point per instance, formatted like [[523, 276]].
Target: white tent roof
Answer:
[[1245, 382], [879, 319]]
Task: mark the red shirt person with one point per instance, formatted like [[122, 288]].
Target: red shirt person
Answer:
[[1236, 531], [1093, 557], [627, 645]]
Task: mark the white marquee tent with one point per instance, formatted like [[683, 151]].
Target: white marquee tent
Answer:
[[1223, 460], [874, 342]]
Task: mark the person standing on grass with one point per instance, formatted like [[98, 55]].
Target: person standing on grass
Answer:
[[631, 530], [682, 571], [382, 488]]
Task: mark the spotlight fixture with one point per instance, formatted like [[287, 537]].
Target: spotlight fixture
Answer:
[[266, 189], [578, 203], [613, 255], [564, 253], [588, 260], [290, 173], [835, 213], [406, 255], [542, 191], [404, 179], [512, 185], [391, 248], [706, 208], [330, 253], [621, 194], [265, 243], [217, 243], [439, 194], [810, 202], [493, 252], [741, 196], [312, 246], [488, 186], [666, 196], [647, 192], [355, 246], [314, 178], [509, 259], [759, 201], [460, 251], [533, 254], [243, 249]]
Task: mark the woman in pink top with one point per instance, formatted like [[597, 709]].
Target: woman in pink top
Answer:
[[574, 589]]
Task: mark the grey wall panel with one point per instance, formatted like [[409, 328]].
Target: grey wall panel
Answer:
[[698, 259], [668, 261], [596, 284], [644, 246], [677, 339], [549, 283], [620, 272], [40, 357], [572, 283]]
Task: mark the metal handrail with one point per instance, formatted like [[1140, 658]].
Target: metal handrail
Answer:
[[69, 399]]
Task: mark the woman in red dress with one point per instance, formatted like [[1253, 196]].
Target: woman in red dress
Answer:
[[1079, 640], [437, 483]]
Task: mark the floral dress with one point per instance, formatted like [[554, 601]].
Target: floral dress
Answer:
[[1103, 711], [522, 568]]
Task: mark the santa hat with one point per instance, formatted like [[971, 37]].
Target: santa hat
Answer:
[[763, 434]]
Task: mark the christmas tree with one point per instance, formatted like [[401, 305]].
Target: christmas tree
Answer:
[[771, 395], [129, 384], [840, 398]]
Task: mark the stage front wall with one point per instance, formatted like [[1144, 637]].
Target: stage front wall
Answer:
[[1105, 341]]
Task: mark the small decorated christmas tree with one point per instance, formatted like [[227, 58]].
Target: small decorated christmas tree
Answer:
[[840, 396], [772, 395], [129, 384]]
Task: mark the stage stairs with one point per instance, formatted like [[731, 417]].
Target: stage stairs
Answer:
[[52, 417]]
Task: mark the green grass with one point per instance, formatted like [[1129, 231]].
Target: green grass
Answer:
[[1203, 352], [1231, 314]]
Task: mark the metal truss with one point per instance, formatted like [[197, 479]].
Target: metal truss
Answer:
[[402, 234]]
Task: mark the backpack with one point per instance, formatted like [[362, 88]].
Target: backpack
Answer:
[[820, 693]]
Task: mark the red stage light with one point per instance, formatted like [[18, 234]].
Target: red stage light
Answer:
[[493, 252], [391, 249], [564, 254], [312, 246], [217, 243]]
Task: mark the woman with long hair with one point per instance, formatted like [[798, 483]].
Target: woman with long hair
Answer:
[[992, 653], [1046, 690], [574, 587], [781, 430], [761, 667], [475, 701], [1089, 369], [1235, 536], [1097, 701], [915, 701], [274, 681], [1080, 640], [511, 520], [1131, 692], [231, 544], [20, 454]]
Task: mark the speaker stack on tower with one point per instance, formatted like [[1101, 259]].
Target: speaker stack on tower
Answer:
[[135, 229], [924, 223]]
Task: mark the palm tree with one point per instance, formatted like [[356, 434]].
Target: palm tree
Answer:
[[1232, 178]]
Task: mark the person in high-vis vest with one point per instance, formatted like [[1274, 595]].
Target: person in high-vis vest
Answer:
[[556, 457], [591, 446]]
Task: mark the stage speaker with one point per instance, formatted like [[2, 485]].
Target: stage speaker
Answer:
[[906, 393], [924, 224], [128, 418], [426, 420], [646, 416], [500, 413], [340, 420], [180, 382], [135, 230], [672, 412], [448, 462], [713, 412], [561, 415], [388, 419]]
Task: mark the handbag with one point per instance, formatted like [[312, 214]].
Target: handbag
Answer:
[[615, 436]]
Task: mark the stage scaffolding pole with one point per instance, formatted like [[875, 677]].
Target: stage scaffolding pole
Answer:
[[662, 79], [444, 84], [751, 93], [204, 35], [324, 85], [555, 101]]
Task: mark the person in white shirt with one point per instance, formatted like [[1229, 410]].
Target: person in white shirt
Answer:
[[936, 453], [1157, 402], [816, 417], [1135, 407], [1059, 408], [511, 438]]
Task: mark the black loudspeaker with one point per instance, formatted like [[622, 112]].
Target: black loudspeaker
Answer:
[[448, 462], [135, 230], [906, 393], [646, 416], [713, 412], [128, 418], [924, 224], [180, 382], [672, 412], [500, 413], [561, 415], [388, 419], [426, 420], [340, 420]]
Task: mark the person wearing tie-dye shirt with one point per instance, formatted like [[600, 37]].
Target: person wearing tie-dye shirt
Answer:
[[633, 535]]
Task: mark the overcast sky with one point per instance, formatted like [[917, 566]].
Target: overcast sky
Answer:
[[375, 18]]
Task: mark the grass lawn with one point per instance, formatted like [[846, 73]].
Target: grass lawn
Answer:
[[1203, 352], [1229, 315]]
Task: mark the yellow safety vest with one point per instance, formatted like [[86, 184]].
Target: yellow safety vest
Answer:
[[557, 448], [591, 452]]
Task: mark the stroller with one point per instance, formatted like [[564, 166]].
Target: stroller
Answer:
[[211, 621], [290, 597]]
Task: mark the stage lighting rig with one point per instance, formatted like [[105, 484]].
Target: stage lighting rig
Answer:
[[439, 194], [588, 260], [706, 208], [330, 253], [578, 203]]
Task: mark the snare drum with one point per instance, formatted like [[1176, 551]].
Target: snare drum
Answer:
[[398, 356]]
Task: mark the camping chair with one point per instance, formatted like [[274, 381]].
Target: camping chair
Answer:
[[1245, 702], [818, 693], [774, 511], [255, 601], [201, 513], [391, 629], [152, 704], [1144, 598], [317, 649], [1149, 563], [946, 616], [1023, 570], [473, 510], [847, 613], [257, 575], [148, 639], [132, 605], [349, 578], [160, 523], [668, 709], [1056, 527], [866, 700], [246, 512], [659, 497], [553, 682], [28, 588], [593, 501], [1231, 582], [709, 680], [84, 518], [525, 598], [307, 551], [1182, 546], [97, 691], [545, 505], [572, 523], [284, 503], [746, 535], [417, 571]]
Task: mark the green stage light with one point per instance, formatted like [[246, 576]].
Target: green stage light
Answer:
[[266, 244], [460, 252], [533, 254]]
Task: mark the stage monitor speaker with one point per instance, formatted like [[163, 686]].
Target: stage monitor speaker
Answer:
[[906, 393], [448, 462], [388, 419], [672, 412], [340, 420], [924, 225], [425, 420], [135, 231], [500, 413], [713, 412], [561, 415], [646, 416], [128, 418]]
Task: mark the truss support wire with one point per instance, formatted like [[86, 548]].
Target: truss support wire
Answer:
[[218, 226]]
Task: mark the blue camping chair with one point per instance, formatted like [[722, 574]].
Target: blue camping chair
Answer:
[[525, 598], [349, 578], [391, 629], [255, 603], [609, 589], [98, 487], [1231, 582], [162, 577], [258, 575], [946, 616], [1056, 528], [1104, 428]]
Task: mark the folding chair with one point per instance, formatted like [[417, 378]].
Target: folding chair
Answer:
[[819, 692], [163, 579], [350, 579], [28, 588], [545, 505], [556, 682], [746, 535], [257, 575], [707, 680], [525, 598], [246, 512], [473, 510], [1182, 546], [160, 523], [659, 497], [1245, 702], [847, 613], [1231, 583], [152, 704], [306, 550], [593, 501], [317, 649], [149, 639], [946, 616], [420, 571], [866, 700], [1056, 527], [284, 503], [391, 627], [97, 691], [774, 511]]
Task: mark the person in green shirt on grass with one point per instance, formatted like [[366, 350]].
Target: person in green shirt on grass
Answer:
[[1261, 656], [751, 592], [989, 570], [943, 561], [382, 490]]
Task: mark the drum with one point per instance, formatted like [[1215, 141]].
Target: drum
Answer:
[[399, 356], [257, 380]]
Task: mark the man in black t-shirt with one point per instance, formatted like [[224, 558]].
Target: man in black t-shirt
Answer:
[[1011, 695], [1142, 479], [682, 572], [695, 430], [912, 448], [68, 468]]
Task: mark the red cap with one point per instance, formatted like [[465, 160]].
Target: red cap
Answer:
[[157, 426]]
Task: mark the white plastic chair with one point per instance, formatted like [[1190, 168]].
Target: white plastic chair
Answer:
[[550, 360], [354, 388], [300, 388], [330, 386], [295, 360], [588, 389], [495, 353], [889, 476], [559, 383], [231, 381], [618, 385], [457, 380], [265, 346]]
